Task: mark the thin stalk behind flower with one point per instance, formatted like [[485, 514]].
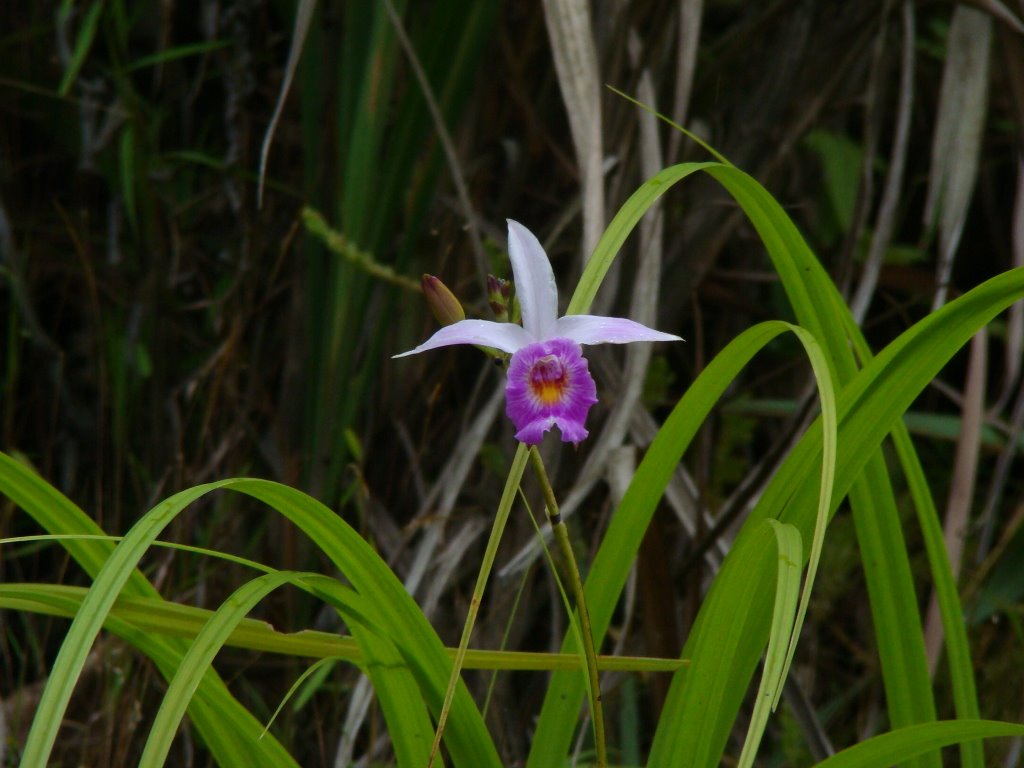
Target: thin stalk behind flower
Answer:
[[589, 651]]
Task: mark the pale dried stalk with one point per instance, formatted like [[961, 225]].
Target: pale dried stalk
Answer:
[[690, 12], [575, 55], [1014, 347], [886, 218], [959, 126], [303, 17], [961, 490], [1000, 476]]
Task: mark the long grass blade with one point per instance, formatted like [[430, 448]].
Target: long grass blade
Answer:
[[70, 660], [867, 411], [821, 308], [907, 743], [783, 633], [223, 723], [610, 567], [83, 43], [197, 661], [154, 616]]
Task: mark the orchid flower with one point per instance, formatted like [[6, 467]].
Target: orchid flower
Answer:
[[549, 382]]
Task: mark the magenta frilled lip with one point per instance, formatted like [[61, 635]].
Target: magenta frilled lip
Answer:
[[549, 385], [549, 382]]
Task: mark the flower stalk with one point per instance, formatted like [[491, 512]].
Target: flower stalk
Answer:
[[561, 533]]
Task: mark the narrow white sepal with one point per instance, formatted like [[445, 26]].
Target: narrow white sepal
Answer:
[[534, 282], [507, 337], [594, 329]]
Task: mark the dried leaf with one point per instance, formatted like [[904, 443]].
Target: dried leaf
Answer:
[[575, 54], [303, 17], [963, 102]]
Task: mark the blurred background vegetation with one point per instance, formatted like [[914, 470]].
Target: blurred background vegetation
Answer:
[[161, 328]]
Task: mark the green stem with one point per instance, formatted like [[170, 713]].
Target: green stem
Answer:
[[562, 537], [504, 506]]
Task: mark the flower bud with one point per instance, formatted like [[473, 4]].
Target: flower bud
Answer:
[[442, 302], [498, 291]]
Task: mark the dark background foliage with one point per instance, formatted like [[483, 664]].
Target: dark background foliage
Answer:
[[160, 329]]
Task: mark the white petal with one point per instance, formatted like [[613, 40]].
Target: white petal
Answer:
[[534, 281], [593, 329], [507, 337]]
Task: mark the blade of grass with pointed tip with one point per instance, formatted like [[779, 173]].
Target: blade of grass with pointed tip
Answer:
[[869, 407], [820, 307], [807, 281], [301, 691], [900, 645], [785, 628]]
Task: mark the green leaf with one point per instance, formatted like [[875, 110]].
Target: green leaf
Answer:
[[868, 408], [230, 731], [83, 43], [610, 567], [822, 312], [392, 608], [619, 228], [906, 743], [177, 52], [155, 616], [784, 629], [197, 662]]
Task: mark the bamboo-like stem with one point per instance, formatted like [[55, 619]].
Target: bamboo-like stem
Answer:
[[562, 537]]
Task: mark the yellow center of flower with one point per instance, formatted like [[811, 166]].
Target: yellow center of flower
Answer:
[[548, 380]]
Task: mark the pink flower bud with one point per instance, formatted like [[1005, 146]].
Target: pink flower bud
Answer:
[[498, 291], [442, 302]]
